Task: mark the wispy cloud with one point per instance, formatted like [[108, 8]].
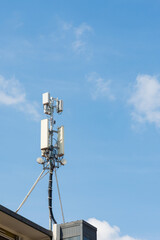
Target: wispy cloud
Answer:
[[99, 87], [79, 46], [82, 29], [106, 232], [66, 26], [81, 32], [13, 94], [145, 100], [79, 35]]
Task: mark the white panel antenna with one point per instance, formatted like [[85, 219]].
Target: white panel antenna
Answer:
[[44, 134], [61, 141]]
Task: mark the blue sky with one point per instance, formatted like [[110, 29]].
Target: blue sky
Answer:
[[103, 59]]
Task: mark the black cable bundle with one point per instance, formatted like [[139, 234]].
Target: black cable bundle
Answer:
[[50, 196]]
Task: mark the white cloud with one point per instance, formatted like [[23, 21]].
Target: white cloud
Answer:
[[99, 87], [145, 100], [79, 46], [80, 43], [66, 26], [13, 94], [79, 36], [82, 29], [106, 232]]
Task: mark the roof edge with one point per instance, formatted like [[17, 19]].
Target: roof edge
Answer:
[[25, 221]]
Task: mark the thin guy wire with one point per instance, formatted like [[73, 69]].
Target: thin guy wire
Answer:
[[44, 175], [39, 178], [30, 191]]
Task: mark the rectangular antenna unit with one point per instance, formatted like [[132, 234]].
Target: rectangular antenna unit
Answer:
[[44, 134], [46, 98], [60, 106], [61, 141]]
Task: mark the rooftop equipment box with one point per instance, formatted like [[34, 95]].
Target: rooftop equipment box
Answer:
[[78, 230]]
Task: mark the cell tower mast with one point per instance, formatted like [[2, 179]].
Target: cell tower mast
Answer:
[[52, 150]]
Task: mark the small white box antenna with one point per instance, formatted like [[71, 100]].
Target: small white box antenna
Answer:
[[61, 141], [46, 98]]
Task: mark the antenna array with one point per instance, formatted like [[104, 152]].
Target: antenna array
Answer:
[[53, 153]]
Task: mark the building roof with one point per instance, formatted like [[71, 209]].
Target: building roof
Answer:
[[78, 222], [21, 226]]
